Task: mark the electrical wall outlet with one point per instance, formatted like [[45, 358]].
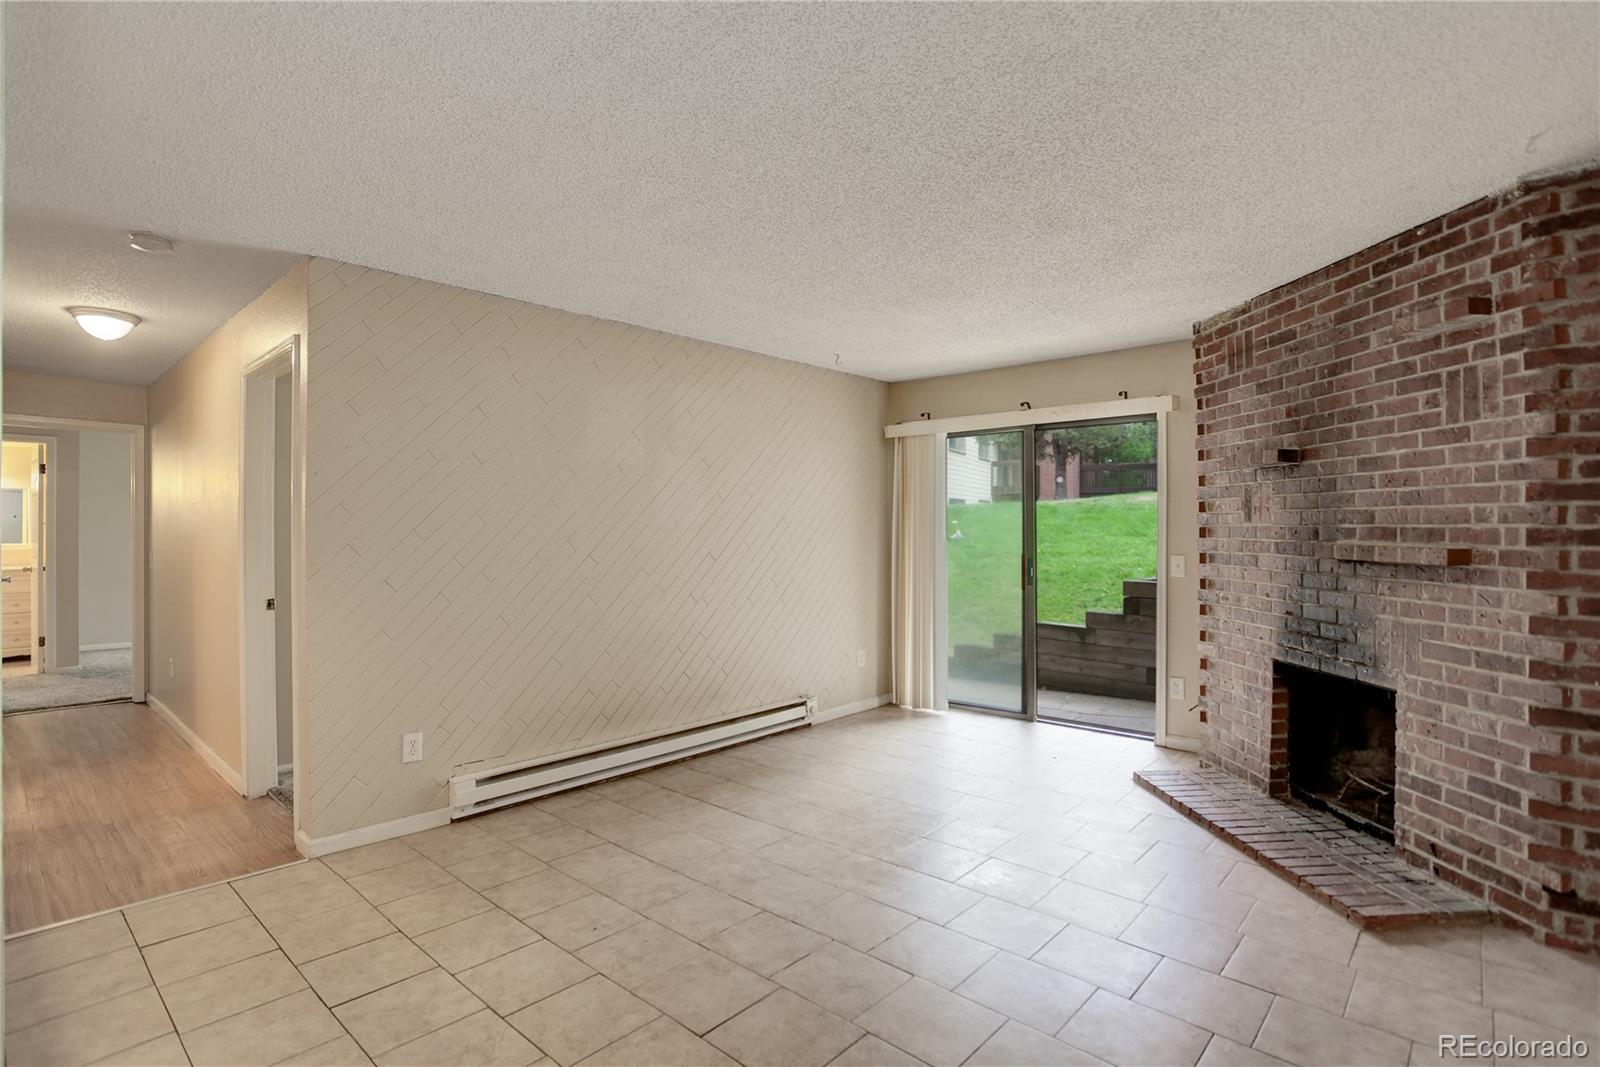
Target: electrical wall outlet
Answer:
[[1177, 567], [1175, 688], [861, 658], [411, 749], [171, 669]]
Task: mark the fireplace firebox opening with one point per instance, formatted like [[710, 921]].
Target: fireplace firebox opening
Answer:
[[1341, 746]]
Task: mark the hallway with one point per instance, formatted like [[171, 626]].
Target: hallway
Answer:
[[106, 806]]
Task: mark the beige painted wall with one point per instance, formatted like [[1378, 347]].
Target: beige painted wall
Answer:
[[30, 393], [531, 531], [16, 464], [1154, 370], [194, 420], [105, 539]]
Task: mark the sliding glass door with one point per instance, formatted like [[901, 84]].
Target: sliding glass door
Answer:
[[1050, 554], [1095, 531], [986, 567]]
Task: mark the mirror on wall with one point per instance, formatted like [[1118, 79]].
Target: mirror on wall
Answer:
[[13, 531]]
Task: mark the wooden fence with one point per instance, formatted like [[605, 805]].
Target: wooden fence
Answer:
[[1104, 479]]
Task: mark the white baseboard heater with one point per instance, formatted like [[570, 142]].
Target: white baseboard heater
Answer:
[[495, 787]]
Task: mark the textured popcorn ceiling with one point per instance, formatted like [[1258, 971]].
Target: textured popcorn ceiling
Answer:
[[912, 189], [51, 264]]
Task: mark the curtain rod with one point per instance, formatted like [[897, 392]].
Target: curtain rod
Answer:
[[1102, 409]]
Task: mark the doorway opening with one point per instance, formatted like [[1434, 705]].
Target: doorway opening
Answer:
[[22, 471], [72, 621], [1053, 536], [270, 503]]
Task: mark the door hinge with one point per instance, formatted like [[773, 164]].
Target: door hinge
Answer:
[[41, 640], [272, 603], [41, 468]]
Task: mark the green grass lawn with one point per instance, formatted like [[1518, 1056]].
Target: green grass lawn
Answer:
[[1087, 548]]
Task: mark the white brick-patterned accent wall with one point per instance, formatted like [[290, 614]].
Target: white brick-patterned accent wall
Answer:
[[530, 531]]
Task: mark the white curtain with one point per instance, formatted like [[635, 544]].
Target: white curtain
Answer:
[[918, 564]]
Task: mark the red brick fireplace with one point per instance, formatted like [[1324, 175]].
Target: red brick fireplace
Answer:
[[1400, 485]]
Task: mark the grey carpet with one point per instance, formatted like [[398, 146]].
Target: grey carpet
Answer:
[[98, 677], [283, 798], [282, 794]]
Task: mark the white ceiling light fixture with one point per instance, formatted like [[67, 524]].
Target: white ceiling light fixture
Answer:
[[103, 323], [145, 241]]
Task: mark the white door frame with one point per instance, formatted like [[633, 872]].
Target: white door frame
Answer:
[[257, 626], [23, 427], [1163, 564]]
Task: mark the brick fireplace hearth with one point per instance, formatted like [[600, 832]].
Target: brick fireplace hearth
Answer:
[[1399, 462]]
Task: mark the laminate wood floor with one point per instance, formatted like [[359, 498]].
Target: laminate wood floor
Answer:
[[105, 806]]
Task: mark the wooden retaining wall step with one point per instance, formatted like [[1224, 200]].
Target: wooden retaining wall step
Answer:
[[1106, 620], [1111, 654]]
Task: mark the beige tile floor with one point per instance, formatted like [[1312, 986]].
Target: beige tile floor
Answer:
[[891, 888]]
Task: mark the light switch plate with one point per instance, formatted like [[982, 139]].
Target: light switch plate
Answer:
[[1177, 566], [1175, 688]]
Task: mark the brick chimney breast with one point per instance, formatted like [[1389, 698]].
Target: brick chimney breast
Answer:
[[1437, 533]]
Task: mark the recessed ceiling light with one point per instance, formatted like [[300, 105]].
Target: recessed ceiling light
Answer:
[[103, 323], [145, 241]]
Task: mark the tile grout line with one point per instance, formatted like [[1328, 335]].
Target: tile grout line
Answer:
[[274, 939]]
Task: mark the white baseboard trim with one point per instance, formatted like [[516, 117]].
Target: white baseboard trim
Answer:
[[234, 779], [370, 835], [1183, 744], [842, 710], [104, 648]]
